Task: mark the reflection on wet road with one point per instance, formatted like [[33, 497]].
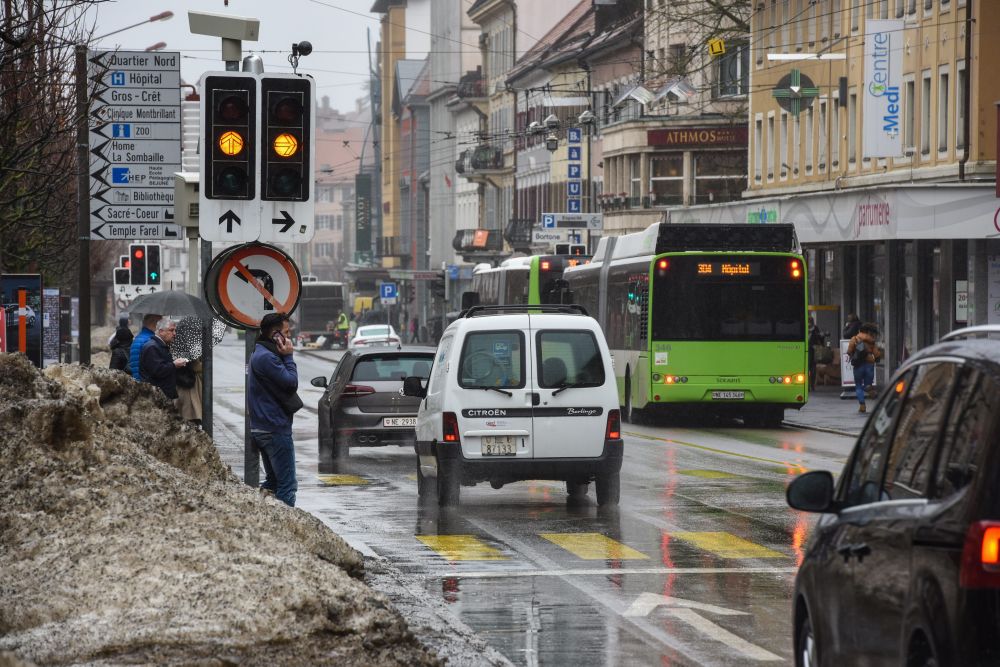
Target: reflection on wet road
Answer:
[[694, 568]]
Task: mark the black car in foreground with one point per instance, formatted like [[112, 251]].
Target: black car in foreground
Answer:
[[903, 568], [364, 405]]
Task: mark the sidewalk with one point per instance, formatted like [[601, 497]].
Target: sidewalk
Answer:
[[826, 411]]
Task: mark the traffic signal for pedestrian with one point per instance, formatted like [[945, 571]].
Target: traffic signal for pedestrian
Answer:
[[152, 264], [229, 117], [286, 137], [137, 263]]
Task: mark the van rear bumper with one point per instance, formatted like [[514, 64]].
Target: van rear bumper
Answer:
[[511, 469]]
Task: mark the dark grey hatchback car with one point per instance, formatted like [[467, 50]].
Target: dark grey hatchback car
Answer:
[[903, 568], [364, 405]]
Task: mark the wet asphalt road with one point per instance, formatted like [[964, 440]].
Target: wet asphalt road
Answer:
[[694, 568]]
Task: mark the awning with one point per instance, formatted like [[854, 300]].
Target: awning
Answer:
[[637, 93], [678, 88], [362, 304], [551, 101]]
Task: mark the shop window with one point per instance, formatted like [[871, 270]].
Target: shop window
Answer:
[[666, 179], [719, 177]]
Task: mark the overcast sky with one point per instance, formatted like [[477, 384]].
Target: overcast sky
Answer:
[[337, 29]]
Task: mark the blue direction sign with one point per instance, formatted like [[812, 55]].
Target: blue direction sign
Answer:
[[574, 153], [574, 170], [574, 135], [573, 205], [548, 221], [574, 188]]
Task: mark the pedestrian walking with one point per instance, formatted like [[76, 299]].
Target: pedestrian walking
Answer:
[[863, 353], [816, 340], [353, 326], [414, 330], [272, 383], [188, 345], [148, 329], [851, 326], [121, 345], [156, 365]]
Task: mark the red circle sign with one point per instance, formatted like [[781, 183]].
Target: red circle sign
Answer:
[[247, 282]]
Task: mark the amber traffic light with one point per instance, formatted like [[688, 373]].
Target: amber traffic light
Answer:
[[230, 137], [286, 113]]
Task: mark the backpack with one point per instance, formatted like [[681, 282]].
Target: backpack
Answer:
[[860, 356]]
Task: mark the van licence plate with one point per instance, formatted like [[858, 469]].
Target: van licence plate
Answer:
[[499, 445], [728, 395], [399, 421]]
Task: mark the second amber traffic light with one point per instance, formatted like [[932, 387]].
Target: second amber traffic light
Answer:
[[286, 142]]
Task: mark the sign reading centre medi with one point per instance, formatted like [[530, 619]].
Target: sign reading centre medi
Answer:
[[135, 144], [883, 101]]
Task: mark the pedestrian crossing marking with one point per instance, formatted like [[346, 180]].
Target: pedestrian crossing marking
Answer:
[[342, 480], [461, 547], [708, 474], [593, 546], [727, 545]]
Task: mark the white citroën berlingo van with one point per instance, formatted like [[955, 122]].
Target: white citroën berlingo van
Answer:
[[519, 392]]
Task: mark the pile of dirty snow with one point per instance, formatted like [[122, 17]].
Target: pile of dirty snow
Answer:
[[124, 539]]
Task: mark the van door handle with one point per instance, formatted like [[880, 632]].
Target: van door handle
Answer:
[[536, 398]]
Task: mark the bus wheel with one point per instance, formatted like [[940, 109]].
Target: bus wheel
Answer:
[[627, 415]]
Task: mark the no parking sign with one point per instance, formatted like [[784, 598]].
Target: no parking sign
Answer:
[[247, 282]]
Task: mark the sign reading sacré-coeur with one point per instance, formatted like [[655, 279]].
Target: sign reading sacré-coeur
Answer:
[[135, 144]]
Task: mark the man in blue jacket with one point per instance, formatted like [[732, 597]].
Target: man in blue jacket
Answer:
[[147, 332], [272, 373]]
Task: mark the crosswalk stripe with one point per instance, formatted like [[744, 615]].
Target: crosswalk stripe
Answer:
[[727, 545], [461, 547], [593, 546], [342, 480]]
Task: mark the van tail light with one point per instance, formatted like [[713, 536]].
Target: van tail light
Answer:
[[614, 431], [357, 390], [449, 430], [981, 556]]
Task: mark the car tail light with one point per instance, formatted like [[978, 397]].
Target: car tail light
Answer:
[[449, 423], [614, 431], [357, 390], [981, 556]]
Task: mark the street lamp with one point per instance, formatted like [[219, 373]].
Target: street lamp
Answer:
[[552, 142], [157, 47], [162, 16]]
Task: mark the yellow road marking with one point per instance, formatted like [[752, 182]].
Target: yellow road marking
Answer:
[[461, 547], [707, 474], [644, 436], [342, 480], [727, 545], [412, 478], [593, 546]]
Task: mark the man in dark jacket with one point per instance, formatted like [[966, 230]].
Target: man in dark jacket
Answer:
[[272, 373], [147, 332], [121, 343], [156, 365]]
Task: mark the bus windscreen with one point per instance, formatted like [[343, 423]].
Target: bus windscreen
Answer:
[[719, 298]]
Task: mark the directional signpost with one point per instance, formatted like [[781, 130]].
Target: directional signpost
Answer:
[[135, 144]]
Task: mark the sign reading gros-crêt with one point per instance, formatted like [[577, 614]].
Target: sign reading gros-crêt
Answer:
[[695, 137]]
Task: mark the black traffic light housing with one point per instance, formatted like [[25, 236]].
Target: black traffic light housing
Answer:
[[137, 263], [438, 286], [153, 275], [286, 108], [230, 137]]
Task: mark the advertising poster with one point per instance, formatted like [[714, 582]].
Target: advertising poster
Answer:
[[882, 97], [50, 326], [21, 295]]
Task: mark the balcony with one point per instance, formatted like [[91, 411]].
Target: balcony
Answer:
[[479, 245], [482, 163], [518, 234]]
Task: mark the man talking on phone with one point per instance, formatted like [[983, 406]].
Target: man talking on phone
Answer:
[[272, 382]]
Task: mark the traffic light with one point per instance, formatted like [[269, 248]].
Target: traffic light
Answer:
[[438, 287], [286, 104], [137, 263], [230, 137], [152, 264]]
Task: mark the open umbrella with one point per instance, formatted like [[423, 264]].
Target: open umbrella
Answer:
[[172, 304]]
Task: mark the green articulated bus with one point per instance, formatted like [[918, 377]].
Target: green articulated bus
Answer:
[[528, 280], [702, 315]]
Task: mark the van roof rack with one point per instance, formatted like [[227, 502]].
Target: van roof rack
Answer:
[[971, 332], [568, 308]]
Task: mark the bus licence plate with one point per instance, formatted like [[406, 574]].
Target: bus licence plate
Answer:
[[728, 395], [499, 445], [399, 421]]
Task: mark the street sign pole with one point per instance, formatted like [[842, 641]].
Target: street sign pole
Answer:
[[83, 199]]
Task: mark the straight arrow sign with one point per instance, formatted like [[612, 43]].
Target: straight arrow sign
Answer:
[[285, 220], [684, 610], [229, 218]]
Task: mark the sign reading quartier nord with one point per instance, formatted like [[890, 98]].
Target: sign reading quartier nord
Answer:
[[135, 144]]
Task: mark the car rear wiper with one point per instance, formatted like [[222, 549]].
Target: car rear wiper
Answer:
[[571, 385], [496, 389]]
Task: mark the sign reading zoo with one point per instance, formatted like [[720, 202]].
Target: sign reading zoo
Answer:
[[882, 128]]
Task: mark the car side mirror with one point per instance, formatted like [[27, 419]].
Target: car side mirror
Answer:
[[414, 386], [319, 382], [812, 492]]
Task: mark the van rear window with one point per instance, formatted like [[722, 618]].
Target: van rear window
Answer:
[[569, 358], [492, 359]]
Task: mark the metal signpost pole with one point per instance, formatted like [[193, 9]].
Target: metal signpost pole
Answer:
[[83, 200], [207, 350]]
